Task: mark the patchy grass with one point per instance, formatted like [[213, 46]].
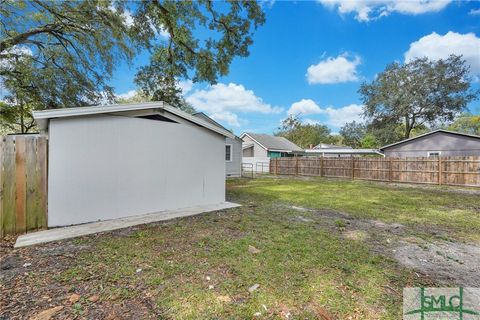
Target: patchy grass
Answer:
[[201, 267], [443, 208]]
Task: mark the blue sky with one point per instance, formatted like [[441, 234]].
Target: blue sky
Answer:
[[309, 58]]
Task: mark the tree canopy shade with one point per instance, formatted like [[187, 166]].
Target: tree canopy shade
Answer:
[[417, 93], [184, 54]]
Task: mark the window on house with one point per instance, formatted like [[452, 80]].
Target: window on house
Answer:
[[228, 152], [433, 153]]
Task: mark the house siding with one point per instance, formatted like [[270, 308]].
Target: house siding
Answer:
[[234, 168], [258, 151], [450, 145]]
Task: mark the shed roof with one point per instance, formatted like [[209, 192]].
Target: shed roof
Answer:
[[428, 134], [339, 151], [42, 117], [272, 143]]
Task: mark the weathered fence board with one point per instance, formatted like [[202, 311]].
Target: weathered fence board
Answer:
[[23, 184], [462, 171]]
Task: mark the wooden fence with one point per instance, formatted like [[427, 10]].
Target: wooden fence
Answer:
[[459, 171], [23, 184]]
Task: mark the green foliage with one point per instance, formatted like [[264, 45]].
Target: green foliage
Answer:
[[466, 123], [369, 141], [353, 133], [418, 93], [16, 118], [304, 135], [61, 53], [228, 27]]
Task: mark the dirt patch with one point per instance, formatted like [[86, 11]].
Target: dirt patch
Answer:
[[451, 262]]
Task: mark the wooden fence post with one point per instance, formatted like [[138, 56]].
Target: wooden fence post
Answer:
[[296, 166], [321, 166], [20, 182], [390, 169], [439, 170], [353, 167], [276, 166]]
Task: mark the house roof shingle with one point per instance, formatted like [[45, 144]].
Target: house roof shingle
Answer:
[[273, 142], [430, 133]]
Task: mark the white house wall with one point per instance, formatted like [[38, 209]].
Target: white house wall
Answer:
[[110, 167], [234, 167], [258, 151]]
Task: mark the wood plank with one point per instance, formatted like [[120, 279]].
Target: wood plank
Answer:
[[20, 184], [32, 208], [9, 211], [2, 144], [42, 174]]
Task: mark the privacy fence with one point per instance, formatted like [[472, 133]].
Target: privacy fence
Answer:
[[23, 184], [459, 171]]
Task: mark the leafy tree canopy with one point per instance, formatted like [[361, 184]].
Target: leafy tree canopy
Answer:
[[305, 135], [353, 133], [63, 53], [418, 93], [466, 123]]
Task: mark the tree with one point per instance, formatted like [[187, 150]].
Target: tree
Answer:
[[420, 92], [184, 55], [353, 133], [303, 134], [62, 53], [174, 100], [466, 123]]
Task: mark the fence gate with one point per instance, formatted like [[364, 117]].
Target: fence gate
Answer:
[[23, 184]]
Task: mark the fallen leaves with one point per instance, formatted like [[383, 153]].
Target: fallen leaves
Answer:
[[47, 314]]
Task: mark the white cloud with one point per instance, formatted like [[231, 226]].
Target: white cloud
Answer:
[[304, 106], [334, 70], [336, 117], [227, 117], [185, 85], [374, 9], [229, 97], [435, 46], [474, 12], [127, 95]]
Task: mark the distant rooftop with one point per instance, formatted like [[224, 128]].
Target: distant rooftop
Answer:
[[273, 143], [330, 146]]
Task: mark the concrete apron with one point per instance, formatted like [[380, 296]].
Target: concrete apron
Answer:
[[114, 224]]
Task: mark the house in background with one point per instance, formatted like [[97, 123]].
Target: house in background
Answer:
[[233, 149], [322, 146], [436, 143], [108, 162], [266, 146]]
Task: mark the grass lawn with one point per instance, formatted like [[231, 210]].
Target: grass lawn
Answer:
[[302, 267]]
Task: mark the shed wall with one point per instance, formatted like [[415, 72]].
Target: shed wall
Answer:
[[450, 145], [111, 167]]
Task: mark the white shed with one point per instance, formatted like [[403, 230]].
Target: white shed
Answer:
[[116, 161]]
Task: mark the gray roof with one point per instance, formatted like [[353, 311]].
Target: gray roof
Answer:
[[273, 142], [429, 133]]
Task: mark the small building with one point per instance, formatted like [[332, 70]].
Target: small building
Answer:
[[435, 143], [267, 146], [322, 146], [338, 152], [116, 161], [233, 149]]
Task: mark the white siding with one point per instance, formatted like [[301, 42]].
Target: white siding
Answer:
[[109, 167], [258, 151], [234, 167]]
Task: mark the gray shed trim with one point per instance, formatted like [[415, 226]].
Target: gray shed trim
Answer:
[[42, 117], [272, 143], [430, 133]]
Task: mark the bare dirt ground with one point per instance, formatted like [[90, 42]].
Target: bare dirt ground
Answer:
[[419, 248]]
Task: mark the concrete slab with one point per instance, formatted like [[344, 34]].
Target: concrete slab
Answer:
[[108, 225]]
